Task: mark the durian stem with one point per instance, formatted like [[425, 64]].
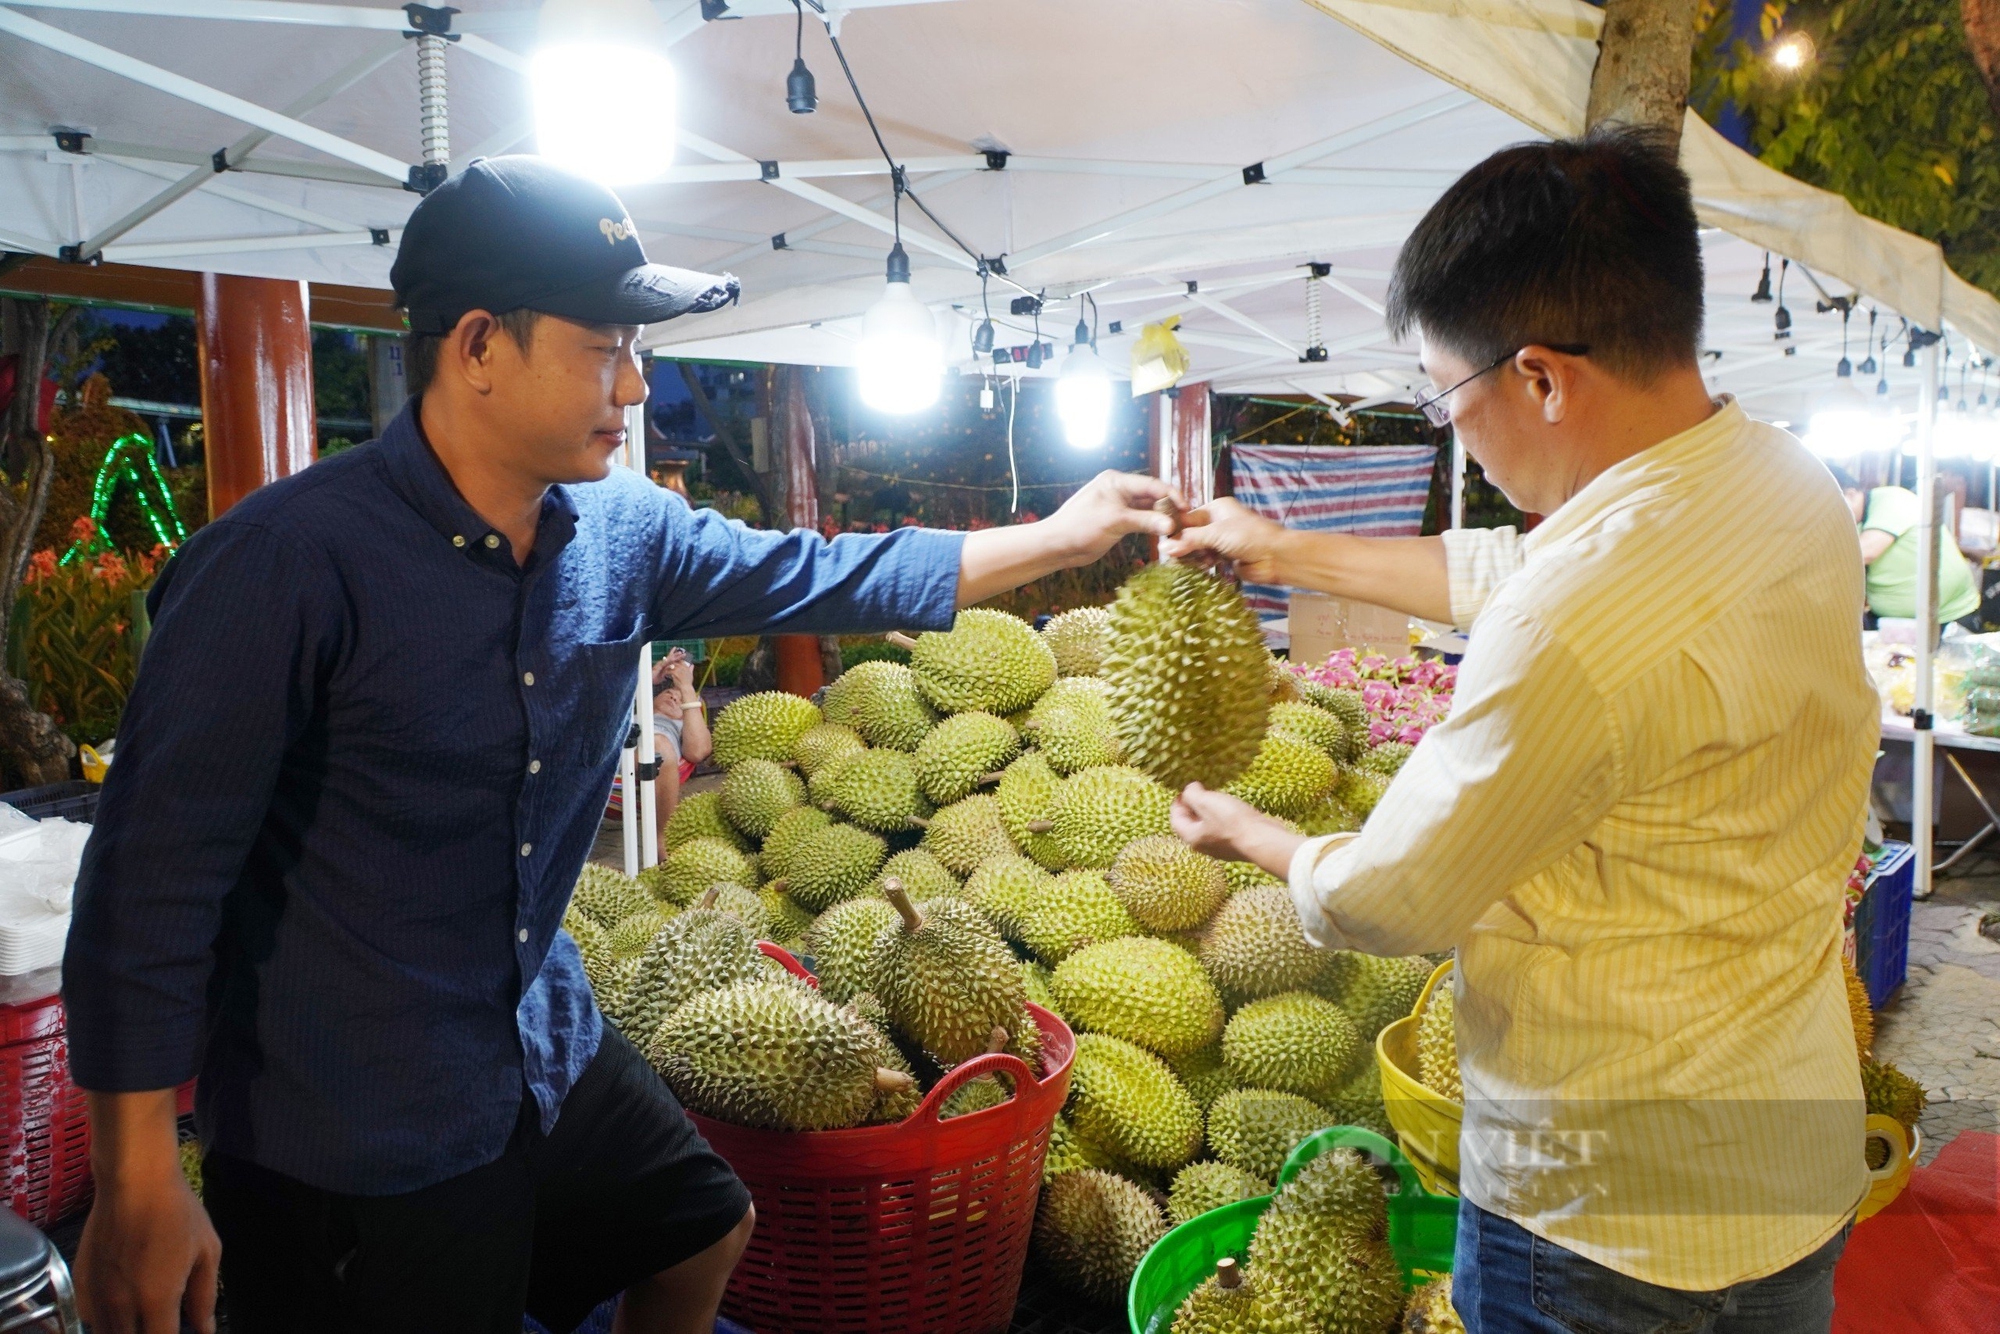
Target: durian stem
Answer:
[[899, 639], [1040, 826], [892, 890], [919, 822], [996, 1040], [987, 780], [1228, 1274], [708, 896], [1165, 505], [892, 1081]]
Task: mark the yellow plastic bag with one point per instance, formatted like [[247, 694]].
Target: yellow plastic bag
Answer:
[[1158, 359]]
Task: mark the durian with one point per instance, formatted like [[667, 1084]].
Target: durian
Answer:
[[1127, 1099], [1375, 991], [756, 792], [878, 790], [1092, 1228], [1036, 983], [1006, 888], [1077, 638], [823, 744], [1200, 1187], [1099, 810], [1293, 1042], [1204, 1075], [1184, 659], [699, 815], [631, 936], [945, 977], [968, 832], [785, 918], [1437, 1044], [1892, 1093], [763, 726], [1386, 759], [1145, 991], [1027, 796], [1255, 1130], [989, 661], [1247, 875], [593, 946], [699, 951], [1315, 727], [1071, 725], [608, 897], [880, 700], [1324, 1238], [1860, 1010], [1233, 1302], [1360, 791], [1166, 885], [695, 867], [795, 828], [922, 875], [1358, 1102], [1430, 1310], [835, 864], [1076, 908], [959, 754], [1255, 947], [1288, 777], [842, 941]]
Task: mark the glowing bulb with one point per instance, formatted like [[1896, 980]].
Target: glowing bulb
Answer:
[[604, 93], [1083, 397], [900, 360], [1793, 52], [1843, 432]]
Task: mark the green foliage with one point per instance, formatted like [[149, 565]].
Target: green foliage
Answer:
[[1893, 115]]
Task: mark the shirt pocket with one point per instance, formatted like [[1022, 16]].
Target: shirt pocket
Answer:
[[609, 671]]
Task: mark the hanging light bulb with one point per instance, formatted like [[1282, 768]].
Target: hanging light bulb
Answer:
[[604, 91], [800, 94], [982, 338], [900, 361], [1083, 394]]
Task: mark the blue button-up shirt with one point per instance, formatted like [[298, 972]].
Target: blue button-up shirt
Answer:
[[362, 765]]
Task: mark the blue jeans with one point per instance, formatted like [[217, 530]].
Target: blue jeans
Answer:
[[1506, 1280]]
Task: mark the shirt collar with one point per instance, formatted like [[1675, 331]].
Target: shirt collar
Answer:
[[418, 476], [1649, 467]]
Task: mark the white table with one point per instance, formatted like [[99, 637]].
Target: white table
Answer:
[[1952, 736]]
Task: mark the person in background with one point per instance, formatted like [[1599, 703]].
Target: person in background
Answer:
[[1636, 826], [1888, 519], [680, 733]]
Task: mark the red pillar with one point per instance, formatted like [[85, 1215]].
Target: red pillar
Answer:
[[1185, 460], [255, 344], [799, 670]]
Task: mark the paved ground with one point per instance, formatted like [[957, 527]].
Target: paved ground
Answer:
[[1943, 1027]]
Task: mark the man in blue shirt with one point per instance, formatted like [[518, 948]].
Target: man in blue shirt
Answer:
[[358, 774]]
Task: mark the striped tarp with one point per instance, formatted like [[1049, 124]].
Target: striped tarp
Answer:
[[1373, 492]]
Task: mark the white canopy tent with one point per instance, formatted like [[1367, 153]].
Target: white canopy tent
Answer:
[[1179, 157]]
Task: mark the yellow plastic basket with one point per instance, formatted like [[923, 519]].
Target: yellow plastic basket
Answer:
[[1887, 1182], [1426, 1122]]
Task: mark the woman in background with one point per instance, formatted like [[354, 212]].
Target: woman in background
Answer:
[[680, 733]]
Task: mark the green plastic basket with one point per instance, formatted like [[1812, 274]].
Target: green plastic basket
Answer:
[[1423, 1231]]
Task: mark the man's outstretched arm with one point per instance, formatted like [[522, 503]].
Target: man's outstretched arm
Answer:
[[1089, 524], [1406, 574]]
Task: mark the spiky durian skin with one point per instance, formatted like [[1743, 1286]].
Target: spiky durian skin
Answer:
[[1027, 794], [1101, 809], [1315, 727], [694, 867], [1293, 1042], [1375, 990], [786, 920], [1092, 1228], [1255, 1130], [608, 897], [950, 982], [1206, 1185], [989, 661], [700, 816], [974, 1095], [1430, 1310], [1066, 1152], [1035, 985], [1071, 725], [1077, 638], [700, 950], [1255, 946], [959, 752], [1184, 659], [891, 1105], [1860, 1010], [1257, 1305], [1288, 778], [1358, 1102], [968, 832], [1246, 875], [1386, 759], [825, 743], [835, 864], [1325, 1238], [745, 905], [1075, 909], [878, 790], [631, 936], [880, 700], [1892, 1093], [922, 876], [841, 942], [795, 828], [1006, 889], [1145, 991], [1127, 1099], [1437, 1044], [1204, 1075], [1166, 885], [1329, 816], [769, 1055], [763, 726], [1361, 791], [593, 944], [756, 792], [1346, 705]]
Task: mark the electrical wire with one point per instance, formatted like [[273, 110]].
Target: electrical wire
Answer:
[[1013, 473], [799, 40]]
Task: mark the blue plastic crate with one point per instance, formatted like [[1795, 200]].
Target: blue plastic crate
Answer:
[[74, 800], [1882, 923]]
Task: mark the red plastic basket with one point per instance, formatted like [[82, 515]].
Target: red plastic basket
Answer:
[[44, 1128], [916, 1228]]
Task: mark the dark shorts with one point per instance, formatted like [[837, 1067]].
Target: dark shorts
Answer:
[[622, 1188]]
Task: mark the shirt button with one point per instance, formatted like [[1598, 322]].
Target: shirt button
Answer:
[[492, 541], [534, 766], [523, 937], [527, 678], [458, 539], [527, 848]]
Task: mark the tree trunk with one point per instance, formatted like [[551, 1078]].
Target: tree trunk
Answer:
[[1982, 34], [32, 748], [1643, 65]]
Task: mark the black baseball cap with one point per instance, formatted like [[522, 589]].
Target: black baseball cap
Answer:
[[519, 232]]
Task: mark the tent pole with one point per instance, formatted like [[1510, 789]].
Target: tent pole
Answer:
[[1924, 744], [642, 813]]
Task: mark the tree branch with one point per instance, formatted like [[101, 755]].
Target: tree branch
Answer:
[[1643, 67], [727, 439]]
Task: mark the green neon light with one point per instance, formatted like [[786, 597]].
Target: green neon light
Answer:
[[130, 459]]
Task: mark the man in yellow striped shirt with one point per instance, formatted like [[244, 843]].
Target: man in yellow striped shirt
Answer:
[[1637, 822]]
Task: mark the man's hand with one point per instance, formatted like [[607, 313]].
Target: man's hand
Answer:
[[1233, 830], [1225, 528], [1112, 505], [149, 1255]]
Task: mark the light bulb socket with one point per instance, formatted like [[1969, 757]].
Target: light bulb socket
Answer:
[[1035, 355], [982, 338], [1909, 356], [1867, 367], [1082, 334], [899, 264], [1882, 387], [801, 95], [1844, 369], [1781, 320], [1762, 295]]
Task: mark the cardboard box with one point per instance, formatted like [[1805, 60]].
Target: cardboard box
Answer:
[[1321, 623]]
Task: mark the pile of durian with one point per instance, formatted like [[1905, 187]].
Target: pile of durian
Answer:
[[1318, 1263], [945, 841]]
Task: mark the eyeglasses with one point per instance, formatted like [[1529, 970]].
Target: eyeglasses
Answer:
[[1437, 407]]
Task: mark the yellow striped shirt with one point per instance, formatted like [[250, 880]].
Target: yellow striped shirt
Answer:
[[1635, 828]]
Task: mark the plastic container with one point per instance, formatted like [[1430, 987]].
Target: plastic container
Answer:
[[1423, 1231], [44, 1131], [74, 800], [1886, 1182], [918, 1226], [1882, 923], [1426, 1122]]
